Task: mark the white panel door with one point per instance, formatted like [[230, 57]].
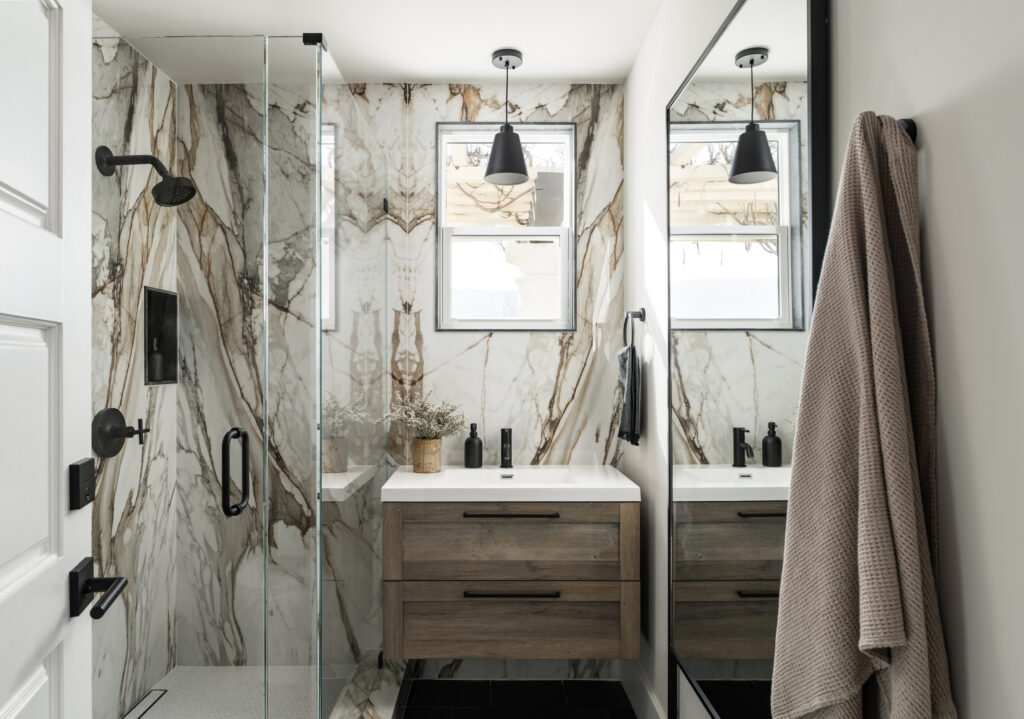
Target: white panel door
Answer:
[[45, 256]]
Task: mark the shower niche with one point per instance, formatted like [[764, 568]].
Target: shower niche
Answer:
[[160, 332]]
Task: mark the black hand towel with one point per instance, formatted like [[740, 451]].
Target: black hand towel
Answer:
[[629, 374]]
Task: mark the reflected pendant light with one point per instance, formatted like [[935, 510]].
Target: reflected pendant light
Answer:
[[753, 159], [507, 165]]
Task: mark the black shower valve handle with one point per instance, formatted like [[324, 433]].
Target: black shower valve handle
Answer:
[[141, 431]]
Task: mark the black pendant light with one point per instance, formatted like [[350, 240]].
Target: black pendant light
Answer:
[[507, 165], [753, 159]]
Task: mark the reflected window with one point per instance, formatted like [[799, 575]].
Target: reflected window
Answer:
[[735, 254], [506, 254]]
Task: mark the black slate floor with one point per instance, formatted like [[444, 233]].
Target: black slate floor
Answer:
[[514, 699], [737, 699]]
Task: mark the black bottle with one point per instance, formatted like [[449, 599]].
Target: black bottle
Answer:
[[771, 448], [474, 449]]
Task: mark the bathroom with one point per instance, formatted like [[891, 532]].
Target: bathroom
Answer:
[[352, 374]]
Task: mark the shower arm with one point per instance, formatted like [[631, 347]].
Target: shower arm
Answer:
[[106, 161]]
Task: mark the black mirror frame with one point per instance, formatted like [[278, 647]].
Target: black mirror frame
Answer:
[[819, 188]]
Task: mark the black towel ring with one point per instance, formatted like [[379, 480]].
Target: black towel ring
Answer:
[[640, 314]]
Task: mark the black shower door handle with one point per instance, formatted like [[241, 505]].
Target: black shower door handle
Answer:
[[233, 510]]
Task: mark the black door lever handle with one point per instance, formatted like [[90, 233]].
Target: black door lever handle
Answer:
[[111, 588], [82, 585]]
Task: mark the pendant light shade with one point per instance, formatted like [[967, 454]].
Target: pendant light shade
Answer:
[[507, 164], [753, 159]]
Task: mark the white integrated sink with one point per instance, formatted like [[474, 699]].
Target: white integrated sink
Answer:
[[725, 483], [530, 483]]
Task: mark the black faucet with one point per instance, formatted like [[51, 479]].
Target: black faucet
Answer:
[[506, 448], [740, 449]]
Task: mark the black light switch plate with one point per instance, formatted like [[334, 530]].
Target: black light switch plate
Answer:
[[82, 475]]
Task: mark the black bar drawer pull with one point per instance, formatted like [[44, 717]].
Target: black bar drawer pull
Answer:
[[233, 510], [748, 515], [758, 595], [475, 515], [512, 595]]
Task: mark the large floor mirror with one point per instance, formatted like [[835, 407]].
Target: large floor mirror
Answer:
[[748, 221]]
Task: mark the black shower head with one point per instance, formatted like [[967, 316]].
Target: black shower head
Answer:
[[171, 191]]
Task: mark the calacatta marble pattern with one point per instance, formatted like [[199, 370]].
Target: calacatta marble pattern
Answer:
[[726, 379], [133, 243], [558, 391]]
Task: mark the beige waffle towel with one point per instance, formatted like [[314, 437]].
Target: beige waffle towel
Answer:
[[859, 631]]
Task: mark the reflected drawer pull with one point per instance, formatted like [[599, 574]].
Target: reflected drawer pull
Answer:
[[523, 595], [758, 595], [747, 515], [473, 515]]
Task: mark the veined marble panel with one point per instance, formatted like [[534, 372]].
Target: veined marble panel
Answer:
[[133, 243], [558, 391], [726, 379], [219, 606]]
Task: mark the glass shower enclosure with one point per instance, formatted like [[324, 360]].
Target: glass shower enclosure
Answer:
[[239, 601]]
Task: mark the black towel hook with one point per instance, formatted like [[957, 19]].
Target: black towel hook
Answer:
[[909, 127], [640, 314]]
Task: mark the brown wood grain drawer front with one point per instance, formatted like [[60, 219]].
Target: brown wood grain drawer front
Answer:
[[518, 620], [729, 540], [725, 620], [510, 541]]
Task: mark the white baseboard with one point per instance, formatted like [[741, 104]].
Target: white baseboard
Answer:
[[643, 698]]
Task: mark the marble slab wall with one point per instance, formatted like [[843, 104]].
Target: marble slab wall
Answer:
[[725, 379], [219, 597], [133, 243], [558, 391]]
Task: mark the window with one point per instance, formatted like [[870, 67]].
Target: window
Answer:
[[736, 255], [506, 255]]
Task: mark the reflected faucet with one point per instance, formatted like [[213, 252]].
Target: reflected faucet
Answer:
[[506, 448], [740, 449]]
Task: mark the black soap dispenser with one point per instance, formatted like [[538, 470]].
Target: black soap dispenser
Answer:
[[771, 448], [474, 449]]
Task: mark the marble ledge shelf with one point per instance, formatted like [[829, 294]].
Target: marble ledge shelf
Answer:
[[339, 486]]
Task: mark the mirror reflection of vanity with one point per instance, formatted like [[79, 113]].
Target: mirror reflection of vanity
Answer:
[[743, 259]]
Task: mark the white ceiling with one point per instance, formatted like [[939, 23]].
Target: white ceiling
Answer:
[[406, 40], [779, 25]]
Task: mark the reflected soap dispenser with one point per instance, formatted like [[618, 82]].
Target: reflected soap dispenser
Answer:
[[771, 448], [474, 449]]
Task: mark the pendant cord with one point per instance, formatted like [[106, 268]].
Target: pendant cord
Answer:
[[506, 91], [751, 91]]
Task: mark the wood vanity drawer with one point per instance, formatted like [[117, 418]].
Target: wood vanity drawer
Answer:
[[725, 619], [512, 619], [427, 541], [729, 540]]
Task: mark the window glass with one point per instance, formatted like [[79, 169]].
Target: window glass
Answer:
[[506, 254], [470, 201], [725, 276]]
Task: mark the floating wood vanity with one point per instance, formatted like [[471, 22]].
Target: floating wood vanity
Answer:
[[544, 565], [728, 561]]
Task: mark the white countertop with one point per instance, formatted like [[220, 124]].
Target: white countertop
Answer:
[[725, 483], [533, 483]]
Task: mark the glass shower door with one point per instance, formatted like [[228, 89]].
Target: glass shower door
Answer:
[[292, 518], [221, 617]]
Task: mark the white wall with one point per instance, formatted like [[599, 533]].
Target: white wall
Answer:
[[956, 68], [680, 32]]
